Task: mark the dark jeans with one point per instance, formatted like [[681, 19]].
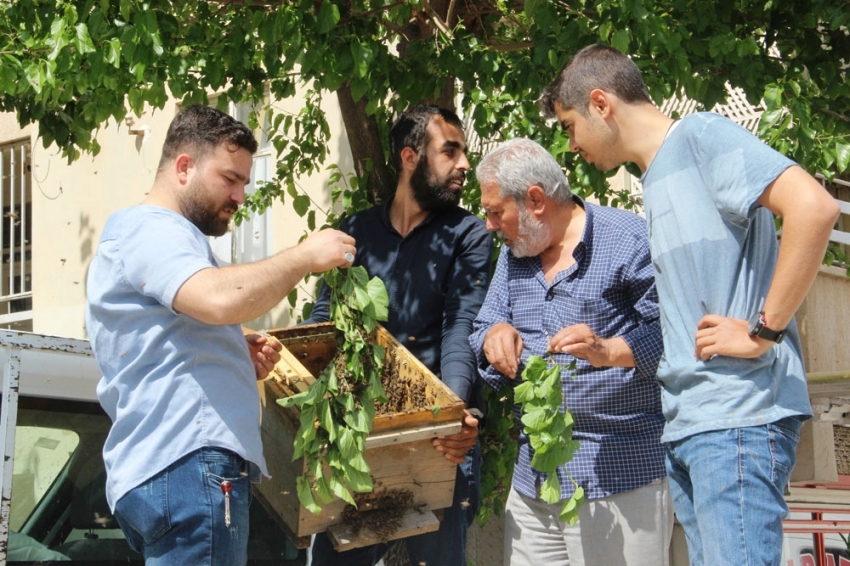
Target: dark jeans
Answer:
[[443, 547]]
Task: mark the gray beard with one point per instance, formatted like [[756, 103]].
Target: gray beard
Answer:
[[533, 236]]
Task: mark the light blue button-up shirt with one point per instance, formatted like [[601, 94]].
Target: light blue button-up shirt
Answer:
[[171, 384]]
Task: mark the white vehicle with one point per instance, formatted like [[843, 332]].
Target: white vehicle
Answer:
[[52, 429]]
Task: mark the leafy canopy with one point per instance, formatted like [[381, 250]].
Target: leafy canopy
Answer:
[[71, 65]]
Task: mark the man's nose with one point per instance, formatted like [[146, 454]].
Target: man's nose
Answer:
[[238, 195], [463, 163]]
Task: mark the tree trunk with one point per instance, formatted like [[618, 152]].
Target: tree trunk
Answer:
[[365, 140]]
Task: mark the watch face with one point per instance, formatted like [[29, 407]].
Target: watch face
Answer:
[[755, 324]]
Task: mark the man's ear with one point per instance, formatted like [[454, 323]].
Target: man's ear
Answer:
[[409, 159], [535, 199], [600, 102], [183, 167]]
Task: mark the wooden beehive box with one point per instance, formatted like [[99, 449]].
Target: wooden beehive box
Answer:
[[398, 451]]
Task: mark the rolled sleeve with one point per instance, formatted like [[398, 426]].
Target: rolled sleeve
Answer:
[[645, 340], [495, 310]]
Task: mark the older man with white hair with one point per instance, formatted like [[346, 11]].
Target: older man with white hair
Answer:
[[575, 279]]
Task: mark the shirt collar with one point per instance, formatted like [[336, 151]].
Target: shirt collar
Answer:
[[385, 216], [587, 234]]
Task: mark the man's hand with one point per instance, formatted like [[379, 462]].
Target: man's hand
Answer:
[[327, 249], [503, 348], [580, 341], [723, 336], [455, 446], [265, 353]]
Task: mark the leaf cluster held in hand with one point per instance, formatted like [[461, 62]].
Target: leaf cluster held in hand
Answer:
[[338, 409], [549, 430]]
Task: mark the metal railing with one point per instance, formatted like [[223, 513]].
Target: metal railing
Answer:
[[15, 245]]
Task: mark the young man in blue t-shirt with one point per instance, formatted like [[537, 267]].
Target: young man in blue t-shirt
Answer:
[[734, 387]]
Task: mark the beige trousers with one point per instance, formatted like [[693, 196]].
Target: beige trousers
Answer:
[[626, 529]]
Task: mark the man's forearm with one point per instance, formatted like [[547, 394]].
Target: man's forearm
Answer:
[[234, 294], [808, 214]]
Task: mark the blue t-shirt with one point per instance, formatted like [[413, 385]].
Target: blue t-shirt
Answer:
[[714, 251], [171, 384]]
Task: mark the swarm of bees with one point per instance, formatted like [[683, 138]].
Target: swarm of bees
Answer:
[[381, 512], [403, 393]]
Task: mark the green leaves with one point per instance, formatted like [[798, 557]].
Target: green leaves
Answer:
[[328, 17], [334, 421], [569, 512], [78, 64], [499, 451], [842, 155], [549, 430]]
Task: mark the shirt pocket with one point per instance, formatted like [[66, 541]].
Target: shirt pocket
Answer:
[[595, 313]]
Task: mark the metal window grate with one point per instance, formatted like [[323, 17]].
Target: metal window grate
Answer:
[[16, 236]]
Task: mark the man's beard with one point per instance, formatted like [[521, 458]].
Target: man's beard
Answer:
[[432, 193], [533, 235], [205, 214]]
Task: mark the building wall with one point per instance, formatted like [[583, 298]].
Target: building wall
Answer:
[[71, 203]]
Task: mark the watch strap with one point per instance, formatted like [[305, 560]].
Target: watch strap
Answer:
[[763, 331]]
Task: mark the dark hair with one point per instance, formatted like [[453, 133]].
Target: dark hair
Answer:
[[199, 130], [409, 130], [595, 66]]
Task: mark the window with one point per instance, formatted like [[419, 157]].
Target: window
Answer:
[[251, 240], [58, 506], [16, 236]]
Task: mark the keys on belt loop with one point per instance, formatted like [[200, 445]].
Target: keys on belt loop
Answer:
[[226, 488]]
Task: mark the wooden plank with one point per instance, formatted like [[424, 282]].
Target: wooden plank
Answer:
[[413, 466], [822, 320], [815, 454], [812, 496], [292, 371], [288, 369], [402, 436], [840, 237], [413, 523], [278, 494]]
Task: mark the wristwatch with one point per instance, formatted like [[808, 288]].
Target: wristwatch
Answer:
[[758, 327]]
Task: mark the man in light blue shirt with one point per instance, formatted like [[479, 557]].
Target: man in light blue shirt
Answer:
[[179, 380], [734, 386]]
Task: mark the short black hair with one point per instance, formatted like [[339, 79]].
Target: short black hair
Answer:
[[199, 130], [410, 130], [595, 66]]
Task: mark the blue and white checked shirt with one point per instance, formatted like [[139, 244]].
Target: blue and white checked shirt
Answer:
[[617, 411]]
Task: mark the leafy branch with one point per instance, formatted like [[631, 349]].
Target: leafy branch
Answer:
[[549, 431], [338, 409], [499, 451]]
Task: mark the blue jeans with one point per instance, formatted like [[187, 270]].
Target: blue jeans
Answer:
[[443, 547], [177, 516], [728, 487]]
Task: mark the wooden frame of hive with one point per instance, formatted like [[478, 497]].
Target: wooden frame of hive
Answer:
[[399, 450]]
